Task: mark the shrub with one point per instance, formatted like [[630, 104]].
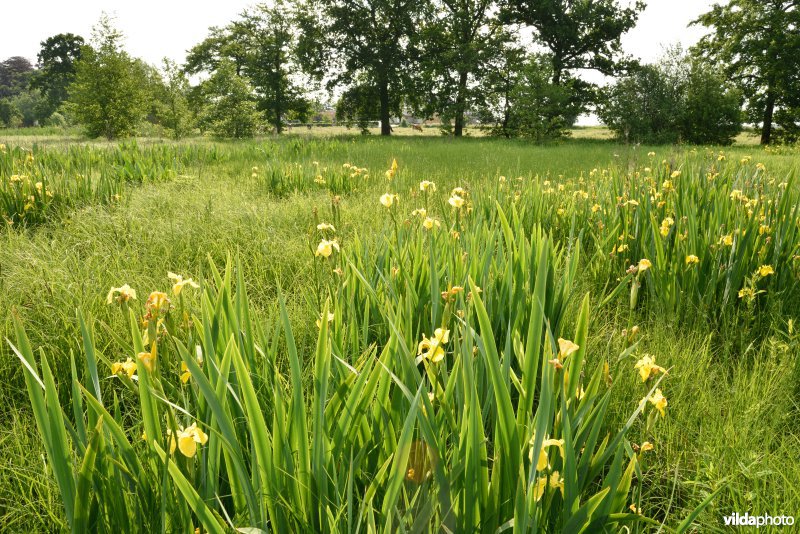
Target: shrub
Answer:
[[679, 99]]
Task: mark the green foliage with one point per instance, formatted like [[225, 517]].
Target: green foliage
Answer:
[[731, 362], [263, 46], [56, 68], [757, 44], [173, 111], [535, 108], [679, 99], [229, 109], [107, 95], [373, 46], [15, 76], [460, 41], [578, 35]]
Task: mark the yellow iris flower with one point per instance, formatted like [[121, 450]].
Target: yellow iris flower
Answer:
[[185, 374], [324, 227], [565, 348], [122, 294], [156, 303], [647, 367], [325, 248], [432, 348], [387, 199], [691, 259], [644, 264], [426, 185], [456, 201], [187, 440], [128, 367], [765, 270], [178, 283], [429, 223], [658, 400], [147, 360]]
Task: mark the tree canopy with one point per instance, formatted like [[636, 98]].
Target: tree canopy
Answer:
[[758, 44]]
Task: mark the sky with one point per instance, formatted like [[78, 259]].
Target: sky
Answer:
[[155, 29]]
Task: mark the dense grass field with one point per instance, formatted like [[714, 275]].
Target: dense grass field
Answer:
[[406, 334]]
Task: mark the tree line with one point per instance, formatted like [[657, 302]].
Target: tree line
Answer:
[[511, 66]]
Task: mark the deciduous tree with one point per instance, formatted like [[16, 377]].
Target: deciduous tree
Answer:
[[758, 42], [108, 95]]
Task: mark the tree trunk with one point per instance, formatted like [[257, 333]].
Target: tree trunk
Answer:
[[558, 67], [769, 109], [386, 128], [278, 94], [460, 104]]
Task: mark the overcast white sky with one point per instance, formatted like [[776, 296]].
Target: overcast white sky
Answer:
[[155, 29]]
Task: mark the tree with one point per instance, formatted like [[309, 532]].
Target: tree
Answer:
[[497, 86], [15, 76], [263, 46], [528, 104], [173, 97], [712, 106], [643, 107], [108, 94], [230, 109], [373, 44], [579, 34], [56, 68], [758, 41], [462, 38]]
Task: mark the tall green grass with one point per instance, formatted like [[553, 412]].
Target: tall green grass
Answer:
[[384, 288]]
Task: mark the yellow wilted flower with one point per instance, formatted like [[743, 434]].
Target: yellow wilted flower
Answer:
[[178, 283], [644, 264], [432, 348], [425, 185], [387, 199], [646, 446], [324, 227], [147, 360], [622, 248], [187, 441], [125, 291], [765, 270], [565, 348], [128, 367], [156, 303], [456, 201], [325, 248], [675, 174], [691, 259], [647, 367]]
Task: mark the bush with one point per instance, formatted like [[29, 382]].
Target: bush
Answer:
[[680, 99]]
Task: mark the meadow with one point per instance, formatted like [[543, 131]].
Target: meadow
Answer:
[[361, 334]]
